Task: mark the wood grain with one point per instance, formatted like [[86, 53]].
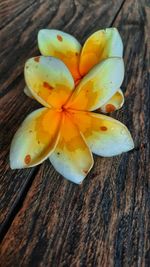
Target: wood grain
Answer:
[[16, 47], [6, 8], [106, 221]]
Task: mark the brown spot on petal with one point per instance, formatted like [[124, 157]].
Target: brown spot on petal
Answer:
[[103, 128], [85, 171], [59, 37], [76, 54], [110, 108], [27, 159], [48, 86], [37, 59]]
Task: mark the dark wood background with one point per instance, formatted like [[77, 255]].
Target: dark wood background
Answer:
[[46, 220]]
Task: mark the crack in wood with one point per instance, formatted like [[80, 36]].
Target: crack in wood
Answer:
[[18, 203]]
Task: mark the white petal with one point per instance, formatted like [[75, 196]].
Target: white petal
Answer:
[[48, 80], [98, 86], [104, 135], [72, 157], [36, 139]]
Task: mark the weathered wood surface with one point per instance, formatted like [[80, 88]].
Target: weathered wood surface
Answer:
[[48, 221], [18, 43]]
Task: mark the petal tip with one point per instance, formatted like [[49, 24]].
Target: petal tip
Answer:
[[131, 144], [27, 92], [128, 139], [14, 161], [41, 34], [41, 31], [11, 164]]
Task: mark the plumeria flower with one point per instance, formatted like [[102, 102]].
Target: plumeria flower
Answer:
[[71, 82]]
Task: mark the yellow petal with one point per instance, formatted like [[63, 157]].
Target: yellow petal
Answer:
[[63, 46], [48, 80], [36, 138], [72, 157], [99, 46], [98, 86], [104, 135], [114, 103]]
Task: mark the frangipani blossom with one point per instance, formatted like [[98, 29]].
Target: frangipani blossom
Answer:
[[71, 82]]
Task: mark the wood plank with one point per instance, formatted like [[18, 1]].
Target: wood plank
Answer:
[[10, 9], [69, 16], [14, 107], [105, 221]]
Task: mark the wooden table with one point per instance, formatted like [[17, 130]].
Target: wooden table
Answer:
[[46, 220]]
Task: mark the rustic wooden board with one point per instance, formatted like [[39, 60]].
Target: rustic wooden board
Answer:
[[10, 9], [105, 221], [16, 47]]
